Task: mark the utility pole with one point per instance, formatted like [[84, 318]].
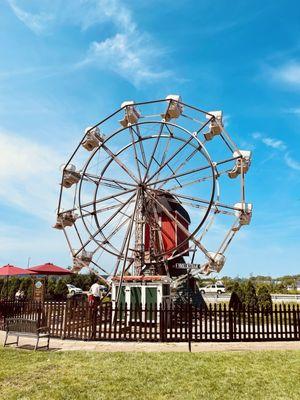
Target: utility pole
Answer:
[[189, 309]]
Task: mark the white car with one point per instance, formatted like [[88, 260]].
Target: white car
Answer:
[[73, 290], [214, 288]]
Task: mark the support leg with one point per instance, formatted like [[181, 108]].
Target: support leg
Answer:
[[5, 340], [37, 343]]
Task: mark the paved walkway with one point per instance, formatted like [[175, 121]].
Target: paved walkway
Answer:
[[71, 345]]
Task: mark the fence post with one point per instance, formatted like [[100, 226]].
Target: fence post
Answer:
[[230, 320], [65, 320], [190, 326], [297, 322], [161, 323]]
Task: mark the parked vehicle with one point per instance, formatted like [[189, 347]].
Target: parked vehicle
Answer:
[[73, 290], [214, 288]]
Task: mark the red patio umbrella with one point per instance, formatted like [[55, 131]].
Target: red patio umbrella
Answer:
[[50, 269], [11, 270]]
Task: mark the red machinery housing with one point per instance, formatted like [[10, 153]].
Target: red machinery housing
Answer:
[[171, 234]]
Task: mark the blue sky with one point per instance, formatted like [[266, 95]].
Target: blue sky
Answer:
[[66, 64]]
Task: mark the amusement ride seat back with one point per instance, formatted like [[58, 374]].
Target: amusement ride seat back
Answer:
[[215, 125], [242, 163], [70, 176], [131, 116]]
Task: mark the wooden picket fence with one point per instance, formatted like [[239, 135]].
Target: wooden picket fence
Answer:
[[78, 320]]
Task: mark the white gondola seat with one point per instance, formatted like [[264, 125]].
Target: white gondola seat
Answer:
[[65, 219], [92, 138], [174, 109], [244, 212], [82, 260], [70, 176], [131, 116], [241, 163], [214, 264], [215, 125]]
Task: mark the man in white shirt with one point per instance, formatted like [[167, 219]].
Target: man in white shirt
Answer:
[[95, 292], [95, 289]]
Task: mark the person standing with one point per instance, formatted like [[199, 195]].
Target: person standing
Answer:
[[95, 293]]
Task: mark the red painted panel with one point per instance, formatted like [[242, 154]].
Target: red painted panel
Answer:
[[168, 232], [172, 236]]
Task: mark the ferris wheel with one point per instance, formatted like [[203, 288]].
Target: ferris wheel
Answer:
[[152, 187]]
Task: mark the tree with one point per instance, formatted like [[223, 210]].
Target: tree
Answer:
[[250, 297], [237, 297], [14, 285], [264, 298], [61, 289], [51, 285], [27, 287], [4, 290]]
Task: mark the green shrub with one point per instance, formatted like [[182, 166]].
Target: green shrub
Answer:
[[264, 298], [237, 296], [61, 290], [250, 297]]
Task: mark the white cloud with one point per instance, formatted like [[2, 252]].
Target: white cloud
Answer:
[[288, 73], [130, 52], [35, 22], [295, 111], [28, 175], [97, 11], [256, 135], [274, 143], [128, 56], [290, 162], [278, 145]]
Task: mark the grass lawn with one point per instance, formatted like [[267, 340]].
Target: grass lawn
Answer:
[[202, 376]]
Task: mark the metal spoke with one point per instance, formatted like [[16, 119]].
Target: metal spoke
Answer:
[[192, 171], [166, 150], [138, 134], [116, 230], [119, 162], [118, 182], [190, 156], [158, 174], [164, 158], [179, 150], [104, 209], [127, 247], [230, 235], [124, 241], [104, 225], [135, 154], [200, 169], [182, 185], [153, 152], [203, 201], [170, 159], [102, 269], [91, 203], [214, 208]]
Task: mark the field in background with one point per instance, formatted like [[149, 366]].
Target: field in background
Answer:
[[88, 375]]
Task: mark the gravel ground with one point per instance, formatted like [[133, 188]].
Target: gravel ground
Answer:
[[70, 345]]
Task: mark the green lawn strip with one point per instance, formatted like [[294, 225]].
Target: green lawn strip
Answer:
[[92, 375]]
